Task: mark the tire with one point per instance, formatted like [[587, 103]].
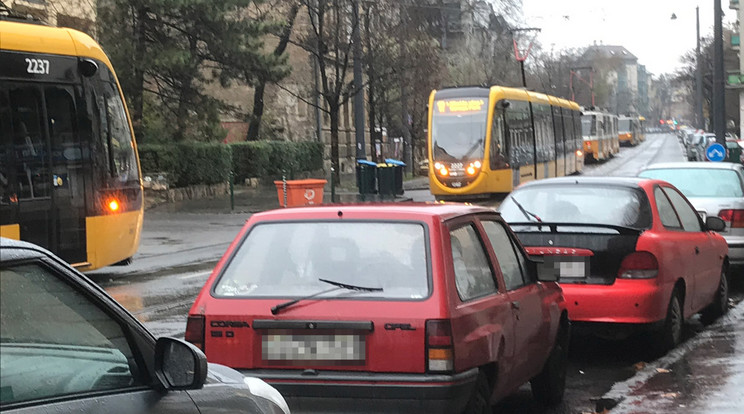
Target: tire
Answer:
[[670, 334], [549, 385], [719, 307], [480, 399]]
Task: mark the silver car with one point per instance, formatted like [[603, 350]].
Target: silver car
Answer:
[[66, 346], [715, 189]]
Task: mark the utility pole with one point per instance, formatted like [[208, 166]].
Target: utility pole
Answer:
[[700, 121], [358, 85], [404, 116], [521, 51], [719, 99]]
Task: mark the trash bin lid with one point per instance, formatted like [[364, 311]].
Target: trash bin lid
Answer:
[[366, 162], [383, 165], [397, 163]]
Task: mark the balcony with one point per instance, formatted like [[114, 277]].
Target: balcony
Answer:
[[735, 42], [734, 4]]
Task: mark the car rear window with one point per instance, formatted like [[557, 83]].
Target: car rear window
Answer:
[[700, 182], [287, 260], [593, 204]]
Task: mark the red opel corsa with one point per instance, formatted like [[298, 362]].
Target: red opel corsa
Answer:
[[631, 254], [384, 308]]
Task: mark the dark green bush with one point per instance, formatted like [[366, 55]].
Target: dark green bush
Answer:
[[192, 163], [188, 163], [268, 159]]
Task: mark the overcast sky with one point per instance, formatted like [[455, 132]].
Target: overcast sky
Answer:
[[644, 27]]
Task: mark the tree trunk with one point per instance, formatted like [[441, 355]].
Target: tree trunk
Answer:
[[184, 94], [254, 126]]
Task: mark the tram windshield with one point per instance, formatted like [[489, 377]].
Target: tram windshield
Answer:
[[458, 129]]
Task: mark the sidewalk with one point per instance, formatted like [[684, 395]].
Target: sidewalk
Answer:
[[704, 375]]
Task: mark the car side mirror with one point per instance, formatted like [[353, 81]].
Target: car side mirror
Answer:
[[715, 224], [179, 365]]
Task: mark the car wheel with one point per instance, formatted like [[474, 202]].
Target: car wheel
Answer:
[[480, 399], [670, 335], [549, 385], [719, 307]]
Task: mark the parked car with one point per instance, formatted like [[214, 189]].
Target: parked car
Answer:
[[68, 347], [631, 253], [715, 189], [734, 151], [698, 144], [429, 308]]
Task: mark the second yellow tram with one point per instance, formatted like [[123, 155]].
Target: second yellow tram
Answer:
[[488, 140]]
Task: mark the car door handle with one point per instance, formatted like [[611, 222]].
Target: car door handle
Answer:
[[515, 305], [697, 250]]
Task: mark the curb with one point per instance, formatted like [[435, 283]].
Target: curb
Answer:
[[618, 397]]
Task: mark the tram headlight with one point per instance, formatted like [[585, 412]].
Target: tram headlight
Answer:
[[443, 172], [579, 153], [477, 164], [471, 170], [438, 166]]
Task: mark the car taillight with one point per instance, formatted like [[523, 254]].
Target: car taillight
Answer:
[[195, 330], [440, 353], [735, 218], [638, 265]]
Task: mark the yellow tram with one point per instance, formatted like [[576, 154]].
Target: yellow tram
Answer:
[[488, 140]]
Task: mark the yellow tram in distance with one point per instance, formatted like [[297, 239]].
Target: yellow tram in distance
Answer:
[[631, 130], [488, 140], [599, 133]]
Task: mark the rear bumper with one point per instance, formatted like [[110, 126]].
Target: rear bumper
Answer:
[[736, 252], [623, 302], [359, 392]]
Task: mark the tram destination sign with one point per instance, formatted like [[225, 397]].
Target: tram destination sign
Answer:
[[460, 105], [38, 66]]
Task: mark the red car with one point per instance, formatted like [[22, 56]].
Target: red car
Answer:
[[429, 308], [630, 253]]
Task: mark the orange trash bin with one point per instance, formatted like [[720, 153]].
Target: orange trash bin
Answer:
[[306, 192]]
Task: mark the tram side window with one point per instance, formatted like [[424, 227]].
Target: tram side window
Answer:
[[518, 125], [558, 130], [497, 154], [6, 174], [29, 145], [122, 160]]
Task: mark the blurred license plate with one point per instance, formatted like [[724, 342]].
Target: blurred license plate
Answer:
[[288, 347], [578, 267]]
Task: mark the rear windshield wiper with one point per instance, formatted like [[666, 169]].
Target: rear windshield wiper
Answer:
[[526, 213], [337, 286]]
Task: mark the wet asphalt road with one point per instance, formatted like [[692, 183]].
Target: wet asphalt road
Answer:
[[179, 249]]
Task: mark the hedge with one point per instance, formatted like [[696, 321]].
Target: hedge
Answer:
[[271, 158], [192, 163], [188, 163]]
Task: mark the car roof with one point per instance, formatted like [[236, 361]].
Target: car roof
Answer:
[[693, 165], [631, 182], [28, 248], [385, 211]]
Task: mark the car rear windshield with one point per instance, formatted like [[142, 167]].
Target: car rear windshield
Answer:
[[700, 182], [287, 260], [593, 204]]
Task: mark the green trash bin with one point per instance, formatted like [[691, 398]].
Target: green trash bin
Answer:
[[386, 179], [398, 167], [366, 175]]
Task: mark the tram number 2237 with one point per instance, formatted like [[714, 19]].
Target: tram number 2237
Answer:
[[37, 66]]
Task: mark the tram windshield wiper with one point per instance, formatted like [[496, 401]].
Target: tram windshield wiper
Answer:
[[337, 286], [526, 213]]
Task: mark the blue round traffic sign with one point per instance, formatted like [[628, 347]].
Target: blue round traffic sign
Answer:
[[715, 152]]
